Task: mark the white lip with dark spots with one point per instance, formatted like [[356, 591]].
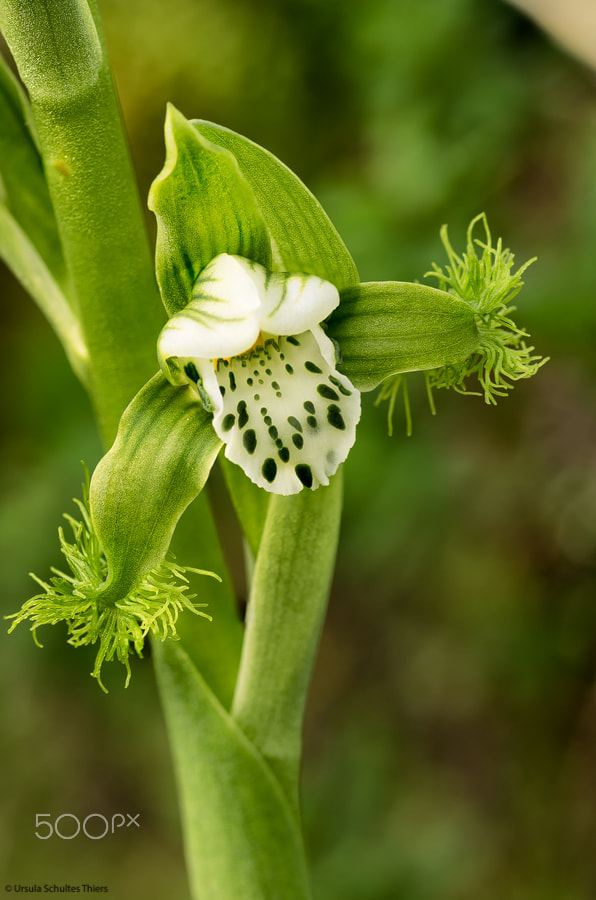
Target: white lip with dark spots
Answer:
[[284, 413]]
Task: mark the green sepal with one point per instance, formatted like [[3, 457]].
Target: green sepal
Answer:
[[303, 237], [242, 838], [161, 458], [384, 328], [25, 191], [204, 207]]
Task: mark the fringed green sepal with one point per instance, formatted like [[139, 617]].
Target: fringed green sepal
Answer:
[[81, 600], [488, 284], [501, 356]]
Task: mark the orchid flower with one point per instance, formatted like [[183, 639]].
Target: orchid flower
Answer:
[[251, 343], [271, 339]]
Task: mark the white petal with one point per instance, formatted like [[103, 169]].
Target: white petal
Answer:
[[222, 319], [287, 417], [296, 303]]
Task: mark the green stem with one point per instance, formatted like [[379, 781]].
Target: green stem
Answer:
[[286, 609], [59, 51], [241, 835]]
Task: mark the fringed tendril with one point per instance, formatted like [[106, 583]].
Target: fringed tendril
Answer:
[[151, 608]]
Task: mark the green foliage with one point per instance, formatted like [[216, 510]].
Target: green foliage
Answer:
[[158, 464], [499, 355], [25, 190], [203, 207], [384, 328], [243, 837], [487, 283], [303, 236], [151, 608]]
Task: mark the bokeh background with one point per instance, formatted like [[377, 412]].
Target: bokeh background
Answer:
[[451, 734]]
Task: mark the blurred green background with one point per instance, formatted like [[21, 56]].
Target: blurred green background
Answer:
[[451, 735]]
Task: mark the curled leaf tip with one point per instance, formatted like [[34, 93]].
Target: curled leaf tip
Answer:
[[79, 598]]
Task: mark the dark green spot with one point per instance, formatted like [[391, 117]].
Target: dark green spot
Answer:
[[262, 363], [232, 380], [293, 421], [257, 397], [335, 418], [268, 372], [311, 420], [267, 420], [269, 470], [263, 410], [308, 406], [242, 414], [311, 367], [249, 439], [304, 473], [249, 382], [228, 421], [278, 394], [273, 432], [191, 371], [328, 393], [289, 369], [222, 390], [294, 341], [284, 454], [298, 441], [340, 386], [275, 385]]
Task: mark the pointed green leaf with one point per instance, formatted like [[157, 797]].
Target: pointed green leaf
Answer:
[[25, 188], [159, 462], [384, 328], [303, 238], [242, 839], [22, 258], [204, 207]]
